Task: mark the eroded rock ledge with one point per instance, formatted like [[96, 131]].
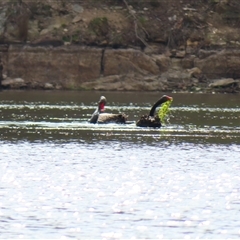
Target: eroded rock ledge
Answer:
[[89, 68]]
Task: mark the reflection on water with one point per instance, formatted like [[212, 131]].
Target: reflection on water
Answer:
[[63, 177]]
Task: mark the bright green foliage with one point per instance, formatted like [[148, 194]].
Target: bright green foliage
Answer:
[[164, 110]]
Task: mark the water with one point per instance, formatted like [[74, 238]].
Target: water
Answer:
[[61, 177]]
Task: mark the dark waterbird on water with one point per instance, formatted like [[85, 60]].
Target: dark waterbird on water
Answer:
[[151, 120], [100, 117]]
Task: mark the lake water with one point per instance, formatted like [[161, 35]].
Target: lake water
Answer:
[[61, 177]]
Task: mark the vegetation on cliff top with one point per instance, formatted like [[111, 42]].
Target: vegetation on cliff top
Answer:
[[121, 23]]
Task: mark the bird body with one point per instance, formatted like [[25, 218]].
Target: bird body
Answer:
[[151, 120], [112, 118], [100, 117]]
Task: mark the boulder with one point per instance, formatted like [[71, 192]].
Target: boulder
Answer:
[[195, 72], [163, 62], [206, 53], [48, 86], [227, 82], [223, 64], [77, 8], [188, 62], [14, 83]]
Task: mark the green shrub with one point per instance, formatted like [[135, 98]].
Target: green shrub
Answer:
[[99, 26]]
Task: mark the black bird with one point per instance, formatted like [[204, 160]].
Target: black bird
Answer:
[[151, 120]]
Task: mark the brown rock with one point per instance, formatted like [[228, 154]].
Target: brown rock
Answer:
[[220, 65], [68, 65], [223, 83], [177, 76], [188, 62], [125, 61], [13, 83], [181, 54], [195, 72], [162, 62], [204, 53], [129, 82], [48, 86], [78, 18]]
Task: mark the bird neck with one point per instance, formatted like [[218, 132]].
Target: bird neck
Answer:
[[155, 105]]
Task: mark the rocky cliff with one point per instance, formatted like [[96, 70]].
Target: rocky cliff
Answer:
[[121, 45]]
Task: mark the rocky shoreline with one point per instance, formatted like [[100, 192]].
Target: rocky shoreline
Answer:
[[175, 46], [90, 68]]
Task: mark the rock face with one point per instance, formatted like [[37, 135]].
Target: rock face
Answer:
[[71, 66], [66, 66], [118, 62], [224, 63], [76, 67]]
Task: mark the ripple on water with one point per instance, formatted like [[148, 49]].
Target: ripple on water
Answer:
[[74, 189]]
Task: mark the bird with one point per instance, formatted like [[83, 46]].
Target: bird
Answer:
[[151, 120], [100, 117]]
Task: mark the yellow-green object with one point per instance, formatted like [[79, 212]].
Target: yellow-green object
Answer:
[[164, 110]]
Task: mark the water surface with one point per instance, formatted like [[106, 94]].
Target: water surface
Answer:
[[63, 177]]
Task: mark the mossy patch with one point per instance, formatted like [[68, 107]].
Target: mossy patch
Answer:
[[99, 26]]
